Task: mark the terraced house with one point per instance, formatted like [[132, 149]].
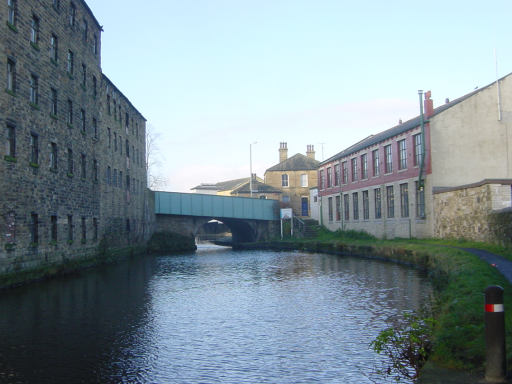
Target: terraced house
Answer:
[[440, 174], [72, 159]]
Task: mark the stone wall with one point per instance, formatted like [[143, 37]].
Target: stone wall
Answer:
[[465, 212]]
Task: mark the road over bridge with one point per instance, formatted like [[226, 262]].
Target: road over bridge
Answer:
[[185, 213]]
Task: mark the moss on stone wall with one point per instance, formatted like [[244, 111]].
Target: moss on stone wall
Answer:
[[500, 226], [170, 242]]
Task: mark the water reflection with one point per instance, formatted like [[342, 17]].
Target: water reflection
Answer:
[[216, 316]]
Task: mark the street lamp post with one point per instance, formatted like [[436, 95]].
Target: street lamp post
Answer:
[[250, 166]]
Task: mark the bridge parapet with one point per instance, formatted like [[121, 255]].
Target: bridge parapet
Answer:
[[221, 207]]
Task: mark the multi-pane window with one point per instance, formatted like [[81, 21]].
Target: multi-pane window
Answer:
[[54, 48], [420, 201], [418, 149], [390, 199], [364, 166], [70, 228], [70, 161], [304, 180], [53, 156], [337, 176], [82, 120], [34, 228], [34, 30], [11, 12], [404, 200], [388, 155], [34, 149], [69, 119], [345, 172], [284, 180], [71, 62], [11, 76], [402, 154], [53, 101], [72, 14], [376, 162], [53, 227], [322, 179], [83, 166], [338, 207], [355, 205], [10, 144], [329, 207], [354, 169], [378, 203], [329, 177], [366, 206], [34, 89], [346, 206]]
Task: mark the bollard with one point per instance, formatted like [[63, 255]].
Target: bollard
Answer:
[[496, 366]]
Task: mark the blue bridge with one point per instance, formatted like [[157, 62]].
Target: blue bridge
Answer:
[[185, 213]]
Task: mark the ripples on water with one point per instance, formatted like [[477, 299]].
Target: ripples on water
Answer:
[[216, 316]]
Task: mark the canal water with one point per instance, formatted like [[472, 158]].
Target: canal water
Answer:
[[214, 316]]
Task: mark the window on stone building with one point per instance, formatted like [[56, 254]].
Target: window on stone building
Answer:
[[72, 14], [284, 180], [83, 229], [109, 134], [388, 155], [53, 101], [69, 119], [390, 199], [83, 166], [418, 149], [95, 45], [115, 110], [84, 75], [420, 201], [85, 29], [114, 181], [304, 180], [127, 183], [70, 162], [56, 4], [10, 144], [329, 177], [378, 203], [355, 205], [108, 105], [109, 175], [34, 89], [322, 178], [126, 121], [346, 206], [364, 166], [34, 149], [53, 156], [54, 48], [82, 120], [404, 200], [338, 207], [34, 228], [337, 176], [120, 179], [128, 228], [70, 63], [376, 162], [120, 144], [11, 12], [127, 148], [53, 228], [11, 76], [95, 229], [95, 127], [329, 208], [34, 30], [94, 87], [354, 168], [402, 154], [70, 228], [115, 142], [95, 170], [366, 206]]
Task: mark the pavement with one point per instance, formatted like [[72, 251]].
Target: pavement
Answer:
[[503, 265]]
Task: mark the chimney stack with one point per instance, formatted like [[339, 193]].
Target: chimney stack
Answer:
[[283, 152], [428, 105], [310, 152]]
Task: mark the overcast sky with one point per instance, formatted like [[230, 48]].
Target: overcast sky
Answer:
[[213, 76]]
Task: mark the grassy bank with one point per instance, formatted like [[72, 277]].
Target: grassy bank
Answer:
[[458, 277]]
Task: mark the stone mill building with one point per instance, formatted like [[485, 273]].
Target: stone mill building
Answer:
[[72, 153]]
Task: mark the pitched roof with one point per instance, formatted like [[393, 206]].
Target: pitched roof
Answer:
[[223, 185], [297, 162], [404, 127], [257, 187]]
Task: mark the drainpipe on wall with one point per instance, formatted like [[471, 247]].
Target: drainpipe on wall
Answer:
[[421, 182]]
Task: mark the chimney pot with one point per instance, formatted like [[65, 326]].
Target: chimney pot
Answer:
[[283, 151], [310, 151]]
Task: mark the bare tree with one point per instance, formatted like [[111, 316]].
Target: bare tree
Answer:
[[155, 180]]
